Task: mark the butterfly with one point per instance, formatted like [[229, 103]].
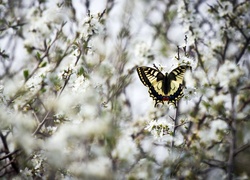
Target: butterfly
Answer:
[[168, 87]]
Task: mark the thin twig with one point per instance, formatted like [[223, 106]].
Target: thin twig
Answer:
[[214, 163], [10, 154], [242, 148], [175, 125], [41, 124]]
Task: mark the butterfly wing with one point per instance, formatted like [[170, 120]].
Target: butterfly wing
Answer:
[[154, 80], [173, 84]]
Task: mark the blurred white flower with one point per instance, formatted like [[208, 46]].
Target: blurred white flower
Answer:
[[189, 93], [43, 24], [225, 8], [229, 75], [11, 86], [22, 128], [59, 147], [55, 14], [91, 25], [189, 79], [125, 149], [51, 129], [188, 61], [80, 84], [200, 77], [222, 99], [26, 173], [99, 168], [211, 134], [142, 53], [142, 49]]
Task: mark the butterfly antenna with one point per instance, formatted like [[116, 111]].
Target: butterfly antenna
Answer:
[[186, 38], [185, 47], [178, 53], [156, 67]]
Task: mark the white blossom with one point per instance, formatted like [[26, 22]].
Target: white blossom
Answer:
[[98, 168], [229, 75], [158, 128], [125, 149], [211, 134]]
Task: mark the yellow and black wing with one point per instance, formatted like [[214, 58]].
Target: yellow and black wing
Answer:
[[162, 87], [174, 80], [153, 79]]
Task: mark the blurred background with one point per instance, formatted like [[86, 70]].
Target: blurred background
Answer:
[[72, 105]]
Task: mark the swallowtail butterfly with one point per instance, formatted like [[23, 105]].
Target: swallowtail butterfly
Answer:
[[168, 87]]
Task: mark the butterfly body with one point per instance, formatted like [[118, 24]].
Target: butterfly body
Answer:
[[168, 87]]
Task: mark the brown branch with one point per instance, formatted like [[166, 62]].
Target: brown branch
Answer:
[[246, 44], [215, 163], [233, 139], [10, 154], [6, 165], [7, 151], [242, 148], [175, 124], [41, 124], [244, 105]]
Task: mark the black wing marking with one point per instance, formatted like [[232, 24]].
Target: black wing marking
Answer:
[[149, 76]]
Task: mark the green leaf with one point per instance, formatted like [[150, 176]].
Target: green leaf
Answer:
[[26, 74], [42, 64], [38, 55], [80, 72]]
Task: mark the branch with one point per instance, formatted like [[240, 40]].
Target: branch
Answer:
[[215, 163], [231, 160], [41, 124], [10, 154], [6, 149], [175, 124], [243, 50], [242, 148], [244, 105]]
